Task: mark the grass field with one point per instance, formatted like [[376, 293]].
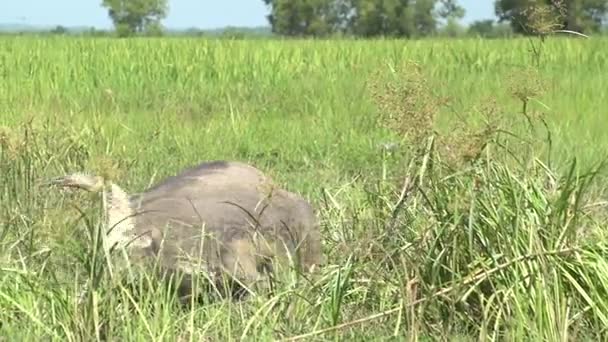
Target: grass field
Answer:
[[497, 246]]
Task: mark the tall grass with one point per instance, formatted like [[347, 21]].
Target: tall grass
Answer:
[[450, 235]]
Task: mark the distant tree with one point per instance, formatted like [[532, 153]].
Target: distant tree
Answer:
[[451, 9], [425, 17], [194, 31], [93, 32], [489, 29], [136, 16], [482, 28], [381, 18], [528, 16], [306, 17], [452, 29], [60, 30], [404, 18], [397, 18], [451, 13], [401, 18], [586, 15]]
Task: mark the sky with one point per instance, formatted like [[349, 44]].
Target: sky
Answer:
[[203, 14]]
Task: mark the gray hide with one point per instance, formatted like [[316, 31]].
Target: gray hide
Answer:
[[247, 221]]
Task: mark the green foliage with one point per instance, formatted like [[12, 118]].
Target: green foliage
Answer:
[[305, 17], [136, 16], [59, 30], [367, 18], [470, 234], [425, 20], [450, 9], [578, 15], [586, 15], [452, 29], [482, 28], [489, 29], [382, 18]]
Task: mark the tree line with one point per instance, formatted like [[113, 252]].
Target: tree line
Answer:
[[387, 18]]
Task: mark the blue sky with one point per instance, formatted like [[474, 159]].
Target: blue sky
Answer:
[[183, 13]]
